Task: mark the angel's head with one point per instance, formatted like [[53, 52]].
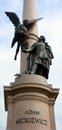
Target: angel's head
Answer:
[[25, 22]]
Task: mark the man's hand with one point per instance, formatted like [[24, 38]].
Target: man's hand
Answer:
[[24, 50]]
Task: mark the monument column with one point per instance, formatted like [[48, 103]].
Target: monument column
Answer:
[[29, 12]]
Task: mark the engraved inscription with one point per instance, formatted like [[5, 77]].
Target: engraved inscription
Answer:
[[33, 119], [32, 112]]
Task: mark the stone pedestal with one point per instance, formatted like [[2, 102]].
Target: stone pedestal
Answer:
[[30, 103]]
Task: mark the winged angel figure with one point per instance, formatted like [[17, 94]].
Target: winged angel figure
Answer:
[[21, 31]]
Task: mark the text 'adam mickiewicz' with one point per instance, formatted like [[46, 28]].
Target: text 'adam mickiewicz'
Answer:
[[31, 120]]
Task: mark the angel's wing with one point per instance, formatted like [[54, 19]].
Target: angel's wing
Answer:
[[13, 18], [29, 23]]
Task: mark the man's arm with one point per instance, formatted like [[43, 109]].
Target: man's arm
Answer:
[[26, 50]]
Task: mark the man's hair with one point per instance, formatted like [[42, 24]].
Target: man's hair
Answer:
[[42, 38]]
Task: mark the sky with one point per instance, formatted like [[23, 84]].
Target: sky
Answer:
[[51, 28]]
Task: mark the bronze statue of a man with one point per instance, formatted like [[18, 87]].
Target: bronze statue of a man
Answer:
[[40, 57]]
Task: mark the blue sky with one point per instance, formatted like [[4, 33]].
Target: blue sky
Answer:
[[51, 28]]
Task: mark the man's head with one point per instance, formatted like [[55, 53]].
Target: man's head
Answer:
[[42, 38]]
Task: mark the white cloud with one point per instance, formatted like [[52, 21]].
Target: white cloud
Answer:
[[11, 5]]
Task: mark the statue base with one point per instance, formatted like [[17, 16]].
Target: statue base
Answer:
[[30, 103]]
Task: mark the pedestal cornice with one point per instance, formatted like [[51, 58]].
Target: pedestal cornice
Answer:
[[31, 87]]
